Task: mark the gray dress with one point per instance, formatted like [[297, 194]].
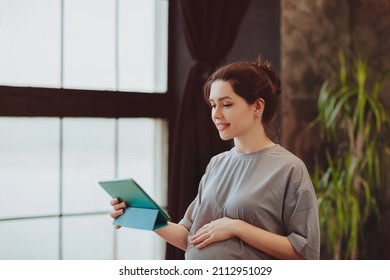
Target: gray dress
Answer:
[[270, 189]]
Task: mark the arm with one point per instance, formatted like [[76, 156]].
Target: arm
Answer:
[[273, 244], [222, 229], [174, 234]]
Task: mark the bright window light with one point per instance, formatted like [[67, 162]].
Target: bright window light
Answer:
[[85, 44]]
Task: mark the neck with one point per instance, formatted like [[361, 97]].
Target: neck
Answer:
[[253, 143]]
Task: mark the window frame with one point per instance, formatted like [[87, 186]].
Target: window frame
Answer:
[[52, 102]]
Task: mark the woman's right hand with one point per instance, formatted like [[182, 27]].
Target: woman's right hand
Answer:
[[119, 208]]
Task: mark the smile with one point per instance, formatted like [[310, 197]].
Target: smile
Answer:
[[222, 126]]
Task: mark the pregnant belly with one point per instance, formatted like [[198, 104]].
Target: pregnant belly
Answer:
[[232, 249]]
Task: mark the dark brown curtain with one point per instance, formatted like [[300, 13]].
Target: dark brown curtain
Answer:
[[210, 28]]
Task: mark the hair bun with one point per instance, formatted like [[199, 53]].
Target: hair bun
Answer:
[[264, 65]]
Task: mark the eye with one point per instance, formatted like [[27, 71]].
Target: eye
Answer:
[[227, 105], [213, 105]]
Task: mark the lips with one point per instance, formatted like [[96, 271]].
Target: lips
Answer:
[[222, 126]]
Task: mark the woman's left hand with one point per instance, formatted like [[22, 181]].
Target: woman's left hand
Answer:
[[218, 230]]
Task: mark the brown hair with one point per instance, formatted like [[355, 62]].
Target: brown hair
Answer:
[[251, 81]]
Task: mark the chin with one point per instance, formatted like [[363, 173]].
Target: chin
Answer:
[[225, 137]]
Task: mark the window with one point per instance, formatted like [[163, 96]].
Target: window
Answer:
[[85, 44], [83, 87]]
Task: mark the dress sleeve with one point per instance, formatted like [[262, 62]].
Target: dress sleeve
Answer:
[[301, 215], [188, 218]]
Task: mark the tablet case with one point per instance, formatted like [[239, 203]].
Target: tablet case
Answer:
[[142, 211]]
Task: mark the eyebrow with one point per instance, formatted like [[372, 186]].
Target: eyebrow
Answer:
[[221, 99]]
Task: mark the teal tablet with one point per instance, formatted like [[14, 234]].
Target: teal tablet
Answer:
[[142, 211]]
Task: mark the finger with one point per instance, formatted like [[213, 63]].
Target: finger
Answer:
[[116, 214], [198, 234], [120, 206], [196, 240], [204, 243], [114, 201], [200, 238], [204, 228]]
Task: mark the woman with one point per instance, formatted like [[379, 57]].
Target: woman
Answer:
[[255, 201]]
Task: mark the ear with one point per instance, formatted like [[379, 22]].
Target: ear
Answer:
[[259, 106]]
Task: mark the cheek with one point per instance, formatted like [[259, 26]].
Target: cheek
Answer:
[[244, 114]]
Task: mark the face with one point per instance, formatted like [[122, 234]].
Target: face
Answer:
[[232, 115]]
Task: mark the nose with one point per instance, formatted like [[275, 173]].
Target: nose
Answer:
[[216, 113]]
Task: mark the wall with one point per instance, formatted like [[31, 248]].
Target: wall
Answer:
[[311, 34]]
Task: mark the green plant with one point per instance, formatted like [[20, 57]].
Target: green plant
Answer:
[[352, 120]]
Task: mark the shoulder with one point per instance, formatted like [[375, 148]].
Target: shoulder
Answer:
[[287, 158], [218, 158], [293, 167]]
